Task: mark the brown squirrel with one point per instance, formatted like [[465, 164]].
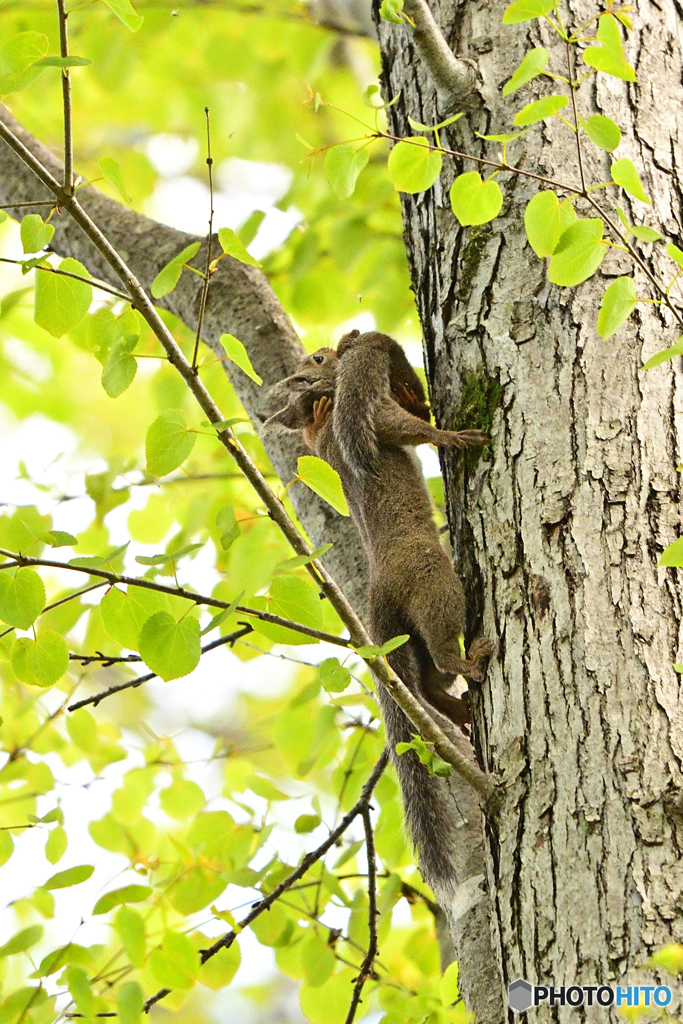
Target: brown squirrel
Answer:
[[344, 403]]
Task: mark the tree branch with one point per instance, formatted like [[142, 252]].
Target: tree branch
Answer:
[[367, 967], [132, 684], [456, 79], [309, 860], [188, 595]]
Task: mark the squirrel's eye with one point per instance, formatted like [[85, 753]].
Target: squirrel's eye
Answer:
[[318, 359]]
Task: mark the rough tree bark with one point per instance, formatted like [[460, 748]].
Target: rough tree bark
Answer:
[[559, 535]]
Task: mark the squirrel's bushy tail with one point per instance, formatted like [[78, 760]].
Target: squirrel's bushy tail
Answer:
[[427, 802], [362, 385]]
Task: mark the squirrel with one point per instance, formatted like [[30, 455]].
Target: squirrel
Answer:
[[343, 401]]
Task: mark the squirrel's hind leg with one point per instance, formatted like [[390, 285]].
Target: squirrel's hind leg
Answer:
[[437, 606]]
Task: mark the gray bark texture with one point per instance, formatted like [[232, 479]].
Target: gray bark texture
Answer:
[[558, 535]]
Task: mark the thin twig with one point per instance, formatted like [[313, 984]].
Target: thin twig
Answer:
[[21, 206], [66, 100], [76, 277], [188, 595], [308, 861], [62, 600], [572, 91], [132, 684], [367, 967], [207, 273]]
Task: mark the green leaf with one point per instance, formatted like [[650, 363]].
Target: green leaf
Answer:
[[236, 352], [299, 560], [449, 990], [171, 649], [182, 799], [81, 991], [602, 131], [22, 597], [130, 1001], [533, 64], [526, 10], [317, 959], [434, 764], [61, 539], [6, 847], [475, 201], [176, 964], [247, 233], [168, 443], [390, 10], [644, 233], [72, 876], [418, 127], [218, 972], [675, 253], [127, 894], [333, 676], [609, 57], [131, 928], [343, 164], [23, 940], [413, 166], [167, 558], [61, 302], [111, 172], [18, 58], [228, 525], [374, 651], [545, 220], [120, 367], [62, 62], [56, 845], [669, 957], [329, 1003], [124, 613], [617, 304], [324, 480], [539, 110], [232, 246], [35, 234], [125, 12], [625, 174], [672, 557], [168, 276], [579, 253], [40, 662], [306, 823]]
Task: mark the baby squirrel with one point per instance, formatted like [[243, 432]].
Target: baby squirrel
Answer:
[[355, 410]]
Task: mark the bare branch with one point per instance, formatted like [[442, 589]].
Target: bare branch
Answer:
[[367, 967], [207, 272], [76, 277], [132, 684], [455, 78], [66, 100]]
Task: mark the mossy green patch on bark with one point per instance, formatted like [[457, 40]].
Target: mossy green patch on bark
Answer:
[[479, 401]]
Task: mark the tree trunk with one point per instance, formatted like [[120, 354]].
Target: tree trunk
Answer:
[[558, 534]]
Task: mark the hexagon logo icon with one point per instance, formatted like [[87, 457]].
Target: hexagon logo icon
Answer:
[[520, 996]]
